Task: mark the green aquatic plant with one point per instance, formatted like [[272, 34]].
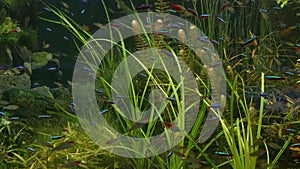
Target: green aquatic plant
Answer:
[[282, 3], [241, 133]]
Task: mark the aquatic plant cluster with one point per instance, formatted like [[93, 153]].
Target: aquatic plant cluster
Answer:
[[259, 49]]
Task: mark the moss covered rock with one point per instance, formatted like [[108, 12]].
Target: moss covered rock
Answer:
[[31, 103]]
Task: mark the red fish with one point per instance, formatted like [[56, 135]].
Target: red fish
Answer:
[[226, 4], [192, 12], [178, 8], [171, 126], [17, 30]]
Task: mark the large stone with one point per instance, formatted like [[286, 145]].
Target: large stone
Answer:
[[8, 82], [40, 59], [43, 90], [31, 103]]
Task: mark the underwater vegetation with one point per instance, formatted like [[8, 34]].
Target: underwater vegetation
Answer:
[[258, 46]]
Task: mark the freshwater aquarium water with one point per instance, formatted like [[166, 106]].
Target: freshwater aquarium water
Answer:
[[150, 84]]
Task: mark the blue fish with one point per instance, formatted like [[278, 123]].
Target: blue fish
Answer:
[[215, 105], [249, 41], [2, 114], [44, 116], [104, 111], [99, 91], [31, 149], [14, 118], [221, 19], [169, 154], [56, 137], [49, 29], [171, 99], [222, 153], [51, 69]]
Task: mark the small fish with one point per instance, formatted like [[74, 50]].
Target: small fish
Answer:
[[116, 25], [223, 153], [143, 7], [71, 164], [56, 137], [48, 144], [47, 9], [214, 42], [258, 153], [31, 149], [119, 96], [216, 64], [51, 69], [263, 94], [274, 78], [100, 91], [14, 118], [202, 16], [2, 114], [65, 5], [193, 12], [169, 154], [44, 116], [65, 37], [178, 8], [171, 99], [249, 41], [135, 138], [171, 126], [99, 25], [63, 146], [274, 145], [17, 30], [49, 29], [111, 102], [104, 111], [4, 102], [221, 19], [226, 4], [72, 105], [82, 11], [84, 27], [20, 67], [11, 107], [215, 105], [47, 45], [139, 124], [204, 39], [179, 154]]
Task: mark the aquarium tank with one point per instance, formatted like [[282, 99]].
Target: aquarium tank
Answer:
[[150, 84]]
